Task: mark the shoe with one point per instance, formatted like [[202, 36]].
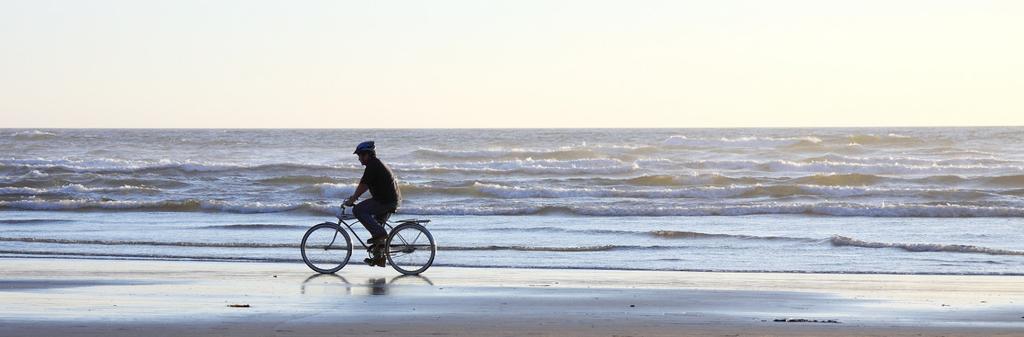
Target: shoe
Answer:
[[377, 240], [378, 257], [377, 261]]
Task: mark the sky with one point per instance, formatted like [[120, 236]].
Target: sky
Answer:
[[507, 64]]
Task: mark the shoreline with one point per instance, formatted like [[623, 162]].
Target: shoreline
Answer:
[[100, 257], [90, 297]]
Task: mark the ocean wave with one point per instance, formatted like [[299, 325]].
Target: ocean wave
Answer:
[[826, 208], [1016, 180], [33, 135], [109, 165], [565, 153], [526, 166], [809, 141], [851, 179], [939, 210], [150, 243], [301, 180], [254, 226], [600, 248], [664, 234], [742, 142], [842, 241], [332, 190], [505, 191], [172, 257], [888, 139], [516, 192], [715, 192], [655, 180], [844, 167], [913, 161], [46, 182], [184, 205], [32, 221], [75, 189], [698, 235]]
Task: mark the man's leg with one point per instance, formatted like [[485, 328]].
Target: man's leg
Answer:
[[366, 212]]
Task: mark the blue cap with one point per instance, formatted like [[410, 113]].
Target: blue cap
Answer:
[[365, 146]]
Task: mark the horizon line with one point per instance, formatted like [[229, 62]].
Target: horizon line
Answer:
[[518, 128]]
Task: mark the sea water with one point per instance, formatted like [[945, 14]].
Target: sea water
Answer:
[[893, 200]]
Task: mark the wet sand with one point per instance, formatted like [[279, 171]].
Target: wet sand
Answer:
[[48, 297]]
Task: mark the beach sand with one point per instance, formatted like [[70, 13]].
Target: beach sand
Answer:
[[50, 297]]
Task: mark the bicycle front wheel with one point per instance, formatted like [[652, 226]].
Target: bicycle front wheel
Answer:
[[411, 249], [326, 248]]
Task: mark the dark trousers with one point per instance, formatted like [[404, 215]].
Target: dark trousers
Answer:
[[367, 213]]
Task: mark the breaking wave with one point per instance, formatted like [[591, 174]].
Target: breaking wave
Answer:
[[31, 221], [698, 235], [560, 154], [33, 135], [138, 166], [744, 142], [74, 189], [151, 243], [922, 247], [893, 168], [526, 166], [663, 234], [833, 209], [300, 180], [255, 226], [612, 209], [185, 205]]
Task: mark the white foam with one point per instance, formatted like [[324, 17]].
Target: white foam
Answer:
[[562, 152], [186, 205], [72, 189], [517, 192], [528, 166], [106, 165], [33, 135], [889, 210], [329, 190], [914, 161], [848, 167], [747, 141]]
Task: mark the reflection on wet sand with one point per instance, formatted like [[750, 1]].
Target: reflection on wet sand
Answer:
[[376, 286]]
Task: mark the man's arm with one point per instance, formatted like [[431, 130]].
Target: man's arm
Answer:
[[359, 191]]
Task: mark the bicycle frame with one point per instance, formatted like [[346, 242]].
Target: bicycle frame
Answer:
[[343, 217]]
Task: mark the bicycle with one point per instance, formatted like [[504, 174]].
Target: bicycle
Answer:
[[410, 249]]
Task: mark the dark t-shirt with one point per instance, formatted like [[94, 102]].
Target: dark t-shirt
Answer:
[[381, 182]]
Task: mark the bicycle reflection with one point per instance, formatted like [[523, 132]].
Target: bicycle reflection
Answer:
[[378, 286]]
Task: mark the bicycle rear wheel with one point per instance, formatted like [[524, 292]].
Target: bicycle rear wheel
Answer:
[[411, 249], [326, 248]]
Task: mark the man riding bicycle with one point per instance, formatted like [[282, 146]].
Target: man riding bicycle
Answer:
[[380, 181]]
